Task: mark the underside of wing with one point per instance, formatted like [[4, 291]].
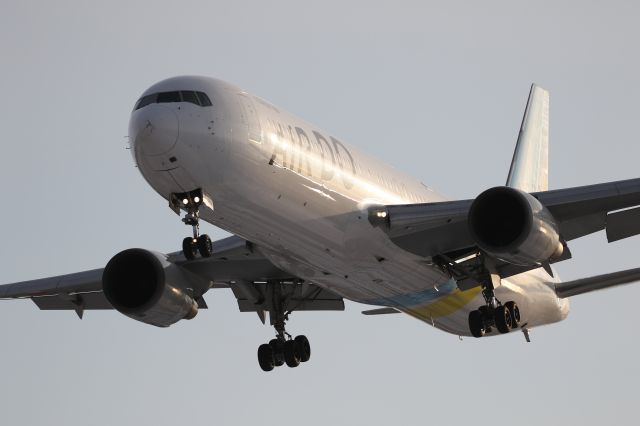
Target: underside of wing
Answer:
[[434, 228], [445, 231], [77, 292], [161, 289]]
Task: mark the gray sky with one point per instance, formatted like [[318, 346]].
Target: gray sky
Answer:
[[435, 88]]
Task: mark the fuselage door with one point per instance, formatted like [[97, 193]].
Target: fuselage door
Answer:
[[250, 118]]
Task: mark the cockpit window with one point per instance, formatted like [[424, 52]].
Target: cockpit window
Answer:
[[166, 97], [188, 96], [197, 98], [146, 100], [204, 99]]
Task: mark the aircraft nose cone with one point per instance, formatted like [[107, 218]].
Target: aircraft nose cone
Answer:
[[155, 129]]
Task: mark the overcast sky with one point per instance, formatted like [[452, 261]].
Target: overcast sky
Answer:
[[434, 88]]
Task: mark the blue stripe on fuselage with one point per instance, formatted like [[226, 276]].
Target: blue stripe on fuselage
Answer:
[[415, 299]]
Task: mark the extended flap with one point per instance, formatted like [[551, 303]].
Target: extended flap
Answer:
[[623, 224]]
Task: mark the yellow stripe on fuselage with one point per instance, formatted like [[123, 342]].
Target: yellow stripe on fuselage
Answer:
[[444, 306]]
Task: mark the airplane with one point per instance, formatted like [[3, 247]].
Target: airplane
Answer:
[[315, 221]]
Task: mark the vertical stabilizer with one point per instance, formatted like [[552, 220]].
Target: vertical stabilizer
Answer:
[[530, 165]]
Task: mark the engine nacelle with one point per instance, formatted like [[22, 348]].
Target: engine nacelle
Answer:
[[146, 287], [514, 226]]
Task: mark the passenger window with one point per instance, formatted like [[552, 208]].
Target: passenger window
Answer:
[[189, 96], [166, 97], [204, 99]]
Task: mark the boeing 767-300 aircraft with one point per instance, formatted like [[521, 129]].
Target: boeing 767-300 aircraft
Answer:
[[315, 221]]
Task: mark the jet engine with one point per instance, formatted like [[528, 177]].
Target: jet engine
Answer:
[[147, 287], [514, 226]]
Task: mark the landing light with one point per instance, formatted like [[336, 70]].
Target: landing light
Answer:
[[381, 214], [196, 199], [185, 201]]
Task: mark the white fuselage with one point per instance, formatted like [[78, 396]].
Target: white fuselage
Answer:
[[301, 196]]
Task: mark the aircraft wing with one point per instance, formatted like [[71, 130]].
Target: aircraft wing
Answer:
[[443, 231], [236, 264], [440, 231], [433, 229]]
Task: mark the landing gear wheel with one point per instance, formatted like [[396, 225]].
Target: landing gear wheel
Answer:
[[304, 347], [205, 247], [503, 319], [189, 248], [265, 357], [515, 314], [476, 324], [278, 351], [486, 313], [291, 353]]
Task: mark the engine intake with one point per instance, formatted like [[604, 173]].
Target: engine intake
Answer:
[[514, 226], [146, 287]]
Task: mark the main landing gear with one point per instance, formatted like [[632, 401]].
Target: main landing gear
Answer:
[[284, 349], [191, 201], [480, 268], [504, 317]]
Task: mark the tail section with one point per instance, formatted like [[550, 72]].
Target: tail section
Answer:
[[530, 165]]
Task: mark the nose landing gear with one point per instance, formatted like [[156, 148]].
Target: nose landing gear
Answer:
[[192, 245], [191, 202]]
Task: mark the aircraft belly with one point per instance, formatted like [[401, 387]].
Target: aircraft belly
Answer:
[[321, 236]]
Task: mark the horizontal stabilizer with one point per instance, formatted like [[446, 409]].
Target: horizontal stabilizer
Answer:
[[381, 311], [599, 282]]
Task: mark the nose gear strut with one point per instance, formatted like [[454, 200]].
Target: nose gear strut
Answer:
[[191, 202]]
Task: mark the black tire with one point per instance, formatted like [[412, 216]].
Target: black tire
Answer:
[[502, 317], [265, 357], [304, 347], [476, 324], [205, 246], [278, 351], [189, 248], [487, 318], [291, 353], [515, 314]]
